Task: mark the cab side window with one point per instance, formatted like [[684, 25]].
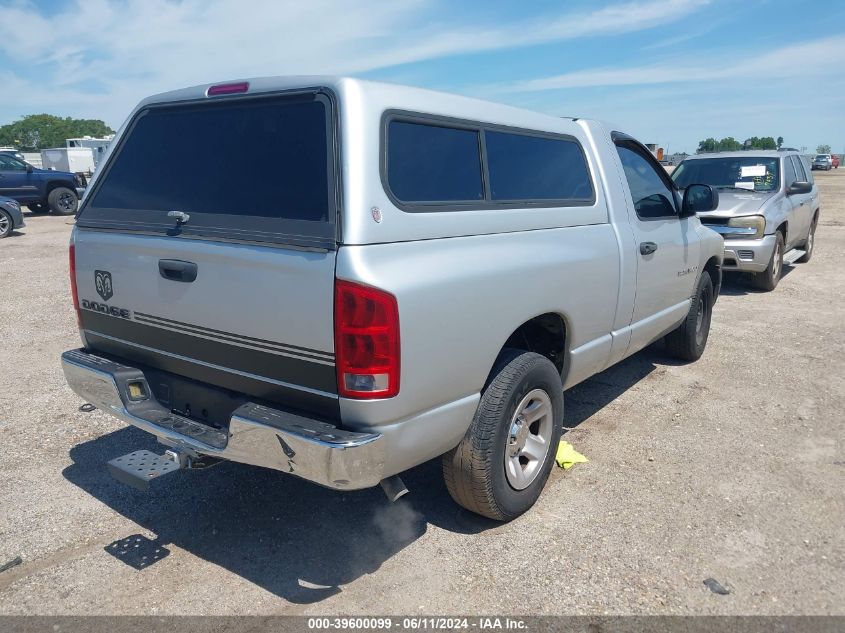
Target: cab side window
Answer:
[[789, 172], [7, 163], [799, 168], [651, 195]]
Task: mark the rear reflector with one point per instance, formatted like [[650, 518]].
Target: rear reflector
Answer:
[[228, 89], [366, 331], [73, 291]]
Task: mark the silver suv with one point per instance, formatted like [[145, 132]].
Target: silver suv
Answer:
[[823, 161], [768, 208], [410, 275]]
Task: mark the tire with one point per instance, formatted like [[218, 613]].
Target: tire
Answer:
[[810, 243], [490, 472], [769, 278], [38, 207], [688, 340], [63, 201], [6, 225]]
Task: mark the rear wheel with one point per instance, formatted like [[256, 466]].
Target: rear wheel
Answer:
[[501, 465], [5, 224], [769, 278], [809, 244], [688, 341], [63, 201]]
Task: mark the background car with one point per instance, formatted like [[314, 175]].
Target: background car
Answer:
[[11, 217], [42, 190], [823, 161]]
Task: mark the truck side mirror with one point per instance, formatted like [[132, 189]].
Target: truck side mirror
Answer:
[[28, 168], [799, 186], [699, 198]]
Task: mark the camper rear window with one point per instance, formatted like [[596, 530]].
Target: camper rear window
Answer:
[[242, 168]]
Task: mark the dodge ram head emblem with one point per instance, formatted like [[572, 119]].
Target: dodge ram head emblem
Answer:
[[102, 280]]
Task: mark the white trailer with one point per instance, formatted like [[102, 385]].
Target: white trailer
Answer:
[[98, 145], [77, 160]]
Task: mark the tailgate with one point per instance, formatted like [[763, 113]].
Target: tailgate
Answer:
[[206, 247], [256, 320]]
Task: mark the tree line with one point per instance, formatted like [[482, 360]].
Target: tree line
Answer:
[[730, 144], [35, 132]]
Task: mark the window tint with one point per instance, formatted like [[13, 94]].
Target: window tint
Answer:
[[799, 168], [7, 163], [652, 198], [429, 163], [265, 158], [535, 168], [789, 172]]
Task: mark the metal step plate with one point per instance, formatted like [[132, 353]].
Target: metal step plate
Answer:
[[793, 255], [139, 468]]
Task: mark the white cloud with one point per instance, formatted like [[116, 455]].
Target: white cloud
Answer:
[[810, 58], [133, 48]]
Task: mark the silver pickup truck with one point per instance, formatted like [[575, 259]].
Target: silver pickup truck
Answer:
[[341, 280], [768, 208]]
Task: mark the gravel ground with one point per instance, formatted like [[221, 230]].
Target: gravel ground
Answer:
[[730, 468]]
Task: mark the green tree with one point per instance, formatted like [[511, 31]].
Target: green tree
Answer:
[[823, 149], [40, 131], [708, 145], [767, 142], [780, 142], [729, 144]]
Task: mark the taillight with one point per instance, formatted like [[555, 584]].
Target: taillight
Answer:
[[73, 291], [366, 335]]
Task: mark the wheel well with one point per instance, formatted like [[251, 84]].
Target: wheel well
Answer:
[[544, 334], [713, 269], [58, 183], [782, 229]]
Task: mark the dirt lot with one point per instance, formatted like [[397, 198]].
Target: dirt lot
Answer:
[[730, 468]]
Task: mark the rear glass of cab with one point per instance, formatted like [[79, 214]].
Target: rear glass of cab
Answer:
[[255, 169]]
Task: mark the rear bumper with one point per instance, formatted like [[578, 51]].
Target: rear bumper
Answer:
[[748, 255], [258, 435]]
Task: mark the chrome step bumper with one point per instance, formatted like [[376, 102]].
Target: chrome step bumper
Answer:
[[257, 435]]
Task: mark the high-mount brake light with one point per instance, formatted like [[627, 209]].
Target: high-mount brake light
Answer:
[[228, 89], [366, 331]]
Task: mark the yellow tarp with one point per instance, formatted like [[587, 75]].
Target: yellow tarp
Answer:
[[567, 456]]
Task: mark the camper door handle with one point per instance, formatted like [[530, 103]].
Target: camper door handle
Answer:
[[177, 270]]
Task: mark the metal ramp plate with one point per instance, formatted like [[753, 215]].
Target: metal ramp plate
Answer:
[[793, 255], [139, 468]]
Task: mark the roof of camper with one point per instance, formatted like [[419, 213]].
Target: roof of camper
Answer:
[[379, 94]]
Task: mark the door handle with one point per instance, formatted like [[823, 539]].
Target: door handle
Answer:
[[647, 248], [177, 270]]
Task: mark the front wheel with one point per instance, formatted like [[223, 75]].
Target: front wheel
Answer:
[[502, 463], [688, 340], [769, 278], [6, 225], [63, 201]]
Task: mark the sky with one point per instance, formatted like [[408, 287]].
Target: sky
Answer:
[[671, 72]]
